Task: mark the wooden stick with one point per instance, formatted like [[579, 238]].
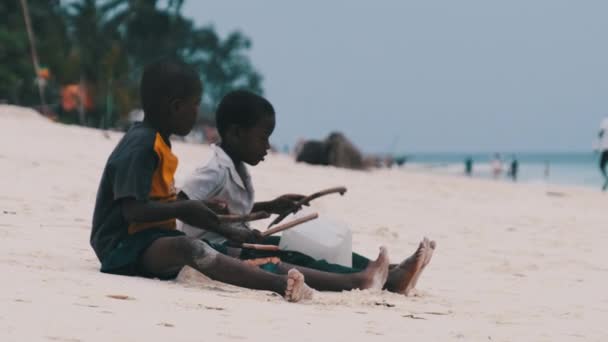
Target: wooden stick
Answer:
[[290, 224], [307, 200], [259, 215], [260, 247]]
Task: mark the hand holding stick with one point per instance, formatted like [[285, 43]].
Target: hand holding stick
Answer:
[[291, 224], [307, 200]]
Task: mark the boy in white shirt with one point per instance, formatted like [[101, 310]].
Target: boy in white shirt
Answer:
[[245, 122]]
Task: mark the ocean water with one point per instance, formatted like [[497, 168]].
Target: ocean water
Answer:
[[580, 169]]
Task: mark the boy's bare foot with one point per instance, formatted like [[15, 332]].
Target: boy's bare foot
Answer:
[[400, 278], [376, 272], [427, 260], [296, 288]]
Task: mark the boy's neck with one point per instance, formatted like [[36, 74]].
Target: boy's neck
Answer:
[[230, 152], [163, 133]]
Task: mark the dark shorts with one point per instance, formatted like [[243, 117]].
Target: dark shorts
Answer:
[[125, 258], [604, 160]]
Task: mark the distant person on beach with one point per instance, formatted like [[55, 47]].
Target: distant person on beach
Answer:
[[468, 166], [134, 224], [496, 165], [245, 122], [513, 169], [603, 149], [400, 160]]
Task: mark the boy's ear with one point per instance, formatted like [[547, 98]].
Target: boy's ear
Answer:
[[174, 105], [232, 133]]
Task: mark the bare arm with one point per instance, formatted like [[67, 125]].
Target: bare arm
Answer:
[[192, 212], [287, 202], [262, 206], [139, 212], [216, 205]]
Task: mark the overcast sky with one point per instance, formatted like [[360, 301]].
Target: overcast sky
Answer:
[[424, 76]]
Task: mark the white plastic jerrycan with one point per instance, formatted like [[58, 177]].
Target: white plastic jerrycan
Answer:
[[322, 238]]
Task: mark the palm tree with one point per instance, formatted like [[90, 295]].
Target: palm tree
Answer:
[[225, 66], [152, 33]]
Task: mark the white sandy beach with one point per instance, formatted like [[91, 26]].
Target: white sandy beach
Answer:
[[513, 263]]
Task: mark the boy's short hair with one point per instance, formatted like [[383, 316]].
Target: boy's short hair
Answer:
[[164, 81], [241, 108]]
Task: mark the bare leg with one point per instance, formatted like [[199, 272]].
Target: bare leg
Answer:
[[373, 277], [400, 278], [168, 255], [603, 164]]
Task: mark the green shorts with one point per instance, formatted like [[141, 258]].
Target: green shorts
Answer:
[[125, 258], [295, 258]]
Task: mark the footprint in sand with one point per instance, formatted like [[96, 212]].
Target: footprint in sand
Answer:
[[386, 232]]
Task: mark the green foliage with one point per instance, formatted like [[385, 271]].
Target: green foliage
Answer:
[[106, 43]]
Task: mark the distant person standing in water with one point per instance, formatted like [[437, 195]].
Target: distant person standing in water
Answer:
[[603, 149], [468, 166], [513, 169], [496, 165]]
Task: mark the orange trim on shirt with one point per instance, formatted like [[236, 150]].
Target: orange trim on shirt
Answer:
[[163, 185]]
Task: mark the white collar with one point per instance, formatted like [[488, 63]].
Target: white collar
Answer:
[[224, 160]]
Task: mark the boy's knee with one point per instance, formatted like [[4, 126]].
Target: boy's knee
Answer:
[[183, 243], [198, 251]]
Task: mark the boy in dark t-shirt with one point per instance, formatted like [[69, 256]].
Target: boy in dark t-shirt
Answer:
[[136, 208]]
